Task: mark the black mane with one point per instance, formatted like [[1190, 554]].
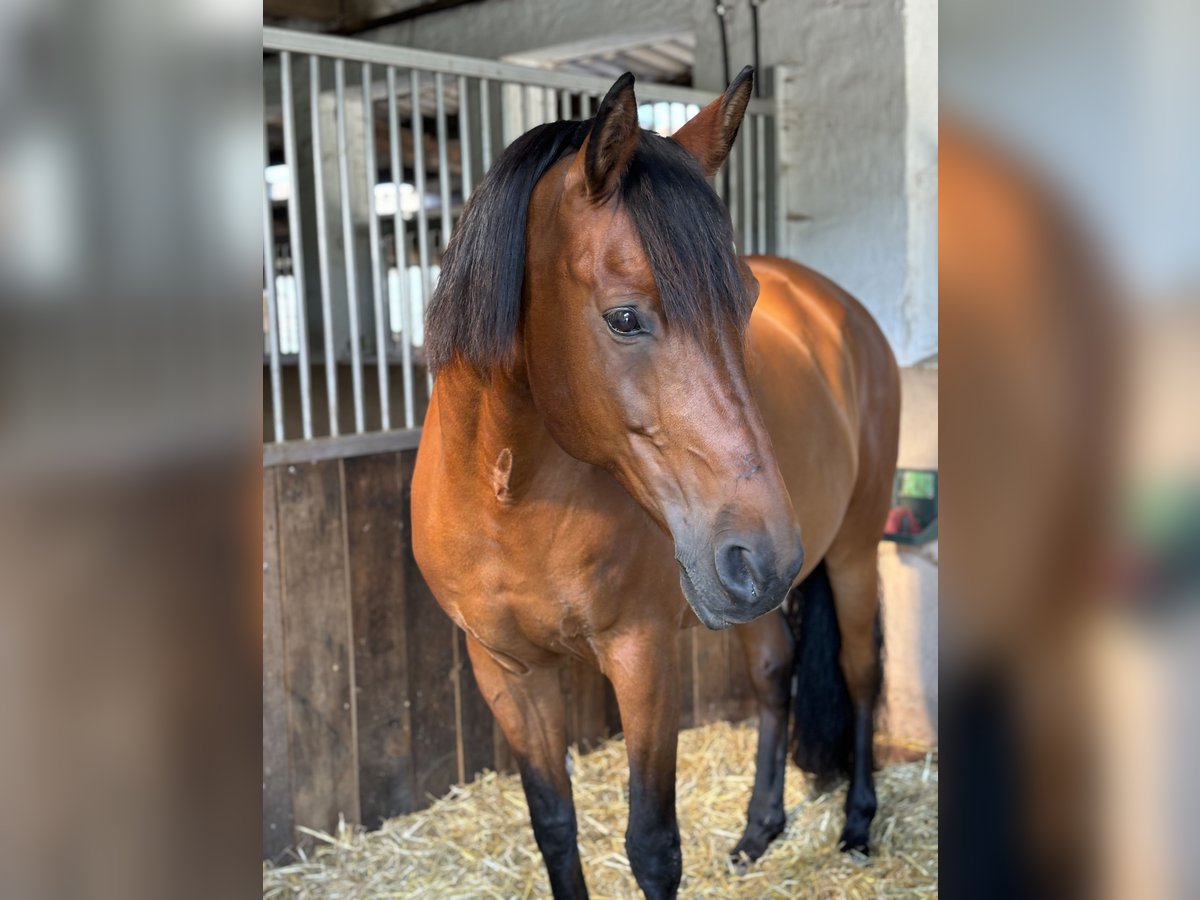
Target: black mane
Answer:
[[476, 308]]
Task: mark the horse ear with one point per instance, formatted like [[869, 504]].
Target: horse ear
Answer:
[[709, 135], [609, 146]]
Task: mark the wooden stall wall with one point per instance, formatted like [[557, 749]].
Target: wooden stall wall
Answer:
[[370, 708]]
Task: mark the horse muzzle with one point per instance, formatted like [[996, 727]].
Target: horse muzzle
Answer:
[[747, 578]]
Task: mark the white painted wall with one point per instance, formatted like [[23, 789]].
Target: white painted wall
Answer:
[[920, 327], [857, 89], [843, 208]]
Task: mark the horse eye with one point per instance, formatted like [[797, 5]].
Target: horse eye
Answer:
[[623, 320]]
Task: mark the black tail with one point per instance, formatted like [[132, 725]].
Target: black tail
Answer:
[[823, 717]]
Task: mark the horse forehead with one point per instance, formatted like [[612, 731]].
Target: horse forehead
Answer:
[[606, 247], [624, 257]]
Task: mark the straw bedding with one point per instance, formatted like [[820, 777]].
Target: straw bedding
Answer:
[[476, 842]]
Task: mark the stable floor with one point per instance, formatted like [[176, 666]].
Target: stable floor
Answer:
[[476, 842]]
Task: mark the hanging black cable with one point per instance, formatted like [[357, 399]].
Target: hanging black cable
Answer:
[[721, 10], [754, 4]]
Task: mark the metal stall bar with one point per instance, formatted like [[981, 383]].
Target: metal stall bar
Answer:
[[431, 61], [504, 114], [290, 452], [527, 96], [331, 392], [443, 139], [272, 303], [747, 193], [291, 160], [464, 136], [485, 121], [760, 145], [339, 71], [439, 89], [418, 129], [381, 329], [406, 363]]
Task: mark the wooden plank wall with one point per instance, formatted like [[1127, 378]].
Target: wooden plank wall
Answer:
[[370, 708]]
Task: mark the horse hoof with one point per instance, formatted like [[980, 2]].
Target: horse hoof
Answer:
[[739, 864], [754, 844], [856, 845]]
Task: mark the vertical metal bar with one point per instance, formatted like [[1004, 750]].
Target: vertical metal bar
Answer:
[[747, 193], [272, 302], [339, 71], [295, 237], [464, 136], [760, 193], [331, 394], [485, 121], [550, 105], [443, 139], [503, 113], [565, 108], [406, 363], [443, 177], [418, 128], [381, 331], [585, 106], [525, 111]]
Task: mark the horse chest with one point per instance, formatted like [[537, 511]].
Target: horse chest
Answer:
[[548, 577]]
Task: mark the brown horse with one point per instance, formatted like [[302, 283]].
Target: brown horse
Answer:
[[616, 448]]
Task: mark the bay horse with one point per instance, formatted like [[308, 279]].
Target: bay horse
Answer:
[[617, 447]]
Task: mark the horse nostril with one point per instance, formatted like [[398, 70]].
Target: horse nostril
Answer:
[[742, 571]]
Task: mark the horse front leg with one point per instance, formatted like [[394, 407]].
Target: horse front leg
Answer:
[[644, 671], [767, 646], [529, 708]]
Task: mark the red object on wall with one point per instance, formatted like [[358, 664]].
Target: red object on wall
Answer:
[[901, 520]]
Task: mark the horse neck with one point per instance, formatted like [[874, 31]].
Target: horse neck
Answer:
[[493, 433]]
